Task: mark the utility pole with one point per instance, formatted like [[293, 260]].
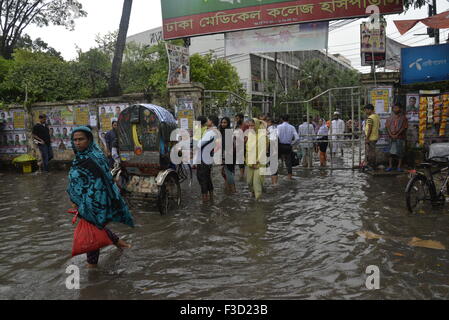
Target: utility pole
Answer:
[[433, 33], [276, 79]]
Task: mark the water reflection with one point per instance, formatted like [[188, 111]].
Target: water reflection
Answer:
[[299, 241]]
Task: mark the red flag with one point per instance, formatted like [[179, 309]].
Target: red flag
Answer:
[[405, 25], [439, 21]]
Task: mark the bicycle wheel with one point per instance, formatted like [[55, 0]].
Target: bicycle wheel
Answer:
[[169, 195], [418, 195]]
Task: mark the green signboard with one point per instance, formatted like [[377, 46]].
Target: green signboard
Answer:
[[177, 8], [188, 18]]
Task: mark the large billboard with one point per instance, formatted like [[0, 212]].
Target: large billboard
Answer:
[[299, 37], [189, 18], [425, 64]]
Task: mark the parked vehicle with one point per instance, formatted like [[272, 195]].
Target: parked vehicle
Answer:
[[145, 172], [429, 185]]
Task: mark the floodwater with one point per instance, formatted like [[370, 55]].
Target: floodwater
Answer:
[[299, 242]]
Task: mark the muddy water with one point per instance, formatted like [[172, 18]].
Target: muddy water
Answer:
[[298, 242]]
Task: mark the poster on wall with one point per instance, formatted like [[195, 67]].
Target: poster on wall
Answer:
[[412, 107], [13, 139], [13, 143], [67, 116], [19, 120], [185, 113], [373, 44], [108, 114], [6, 120], [380, 99], [179, 65], [82, 115]]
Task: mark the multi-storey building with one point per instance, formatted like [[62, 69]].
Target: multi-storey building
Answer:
[[257, 71]]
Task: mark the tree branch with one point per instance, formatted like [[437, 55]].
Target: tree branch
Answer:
[[9, 28], [26, 20]]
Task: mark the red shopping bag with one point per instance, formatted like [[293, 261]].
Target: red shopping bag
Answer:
[[87, 237]]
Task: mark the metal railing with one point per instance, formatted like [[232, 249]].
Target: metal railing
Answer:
[[354, 96]]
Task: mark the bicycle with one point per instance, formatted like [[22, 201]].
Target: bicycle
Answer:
[[422, 191]]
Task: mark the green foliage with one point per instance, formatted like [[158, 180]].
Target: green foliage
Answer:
[[408, 4], [317, 76], [106, 43], [137, 69], [215, 74], [94, 66], [37, 45], [47, 77], [44, 77], [5, 66]]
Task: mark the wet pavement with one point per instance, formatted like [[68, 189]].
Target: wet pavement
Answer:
[[298, 242]]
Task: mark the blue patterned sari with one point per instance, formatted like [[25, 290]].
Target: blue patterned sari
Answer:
[[92, 188]]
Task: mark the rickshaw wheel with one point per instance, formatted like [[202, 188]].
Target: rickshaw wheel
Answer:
[[169, 194]]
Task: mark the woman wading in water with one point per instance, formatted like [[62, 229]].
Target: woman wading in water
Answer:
[[92, 190]]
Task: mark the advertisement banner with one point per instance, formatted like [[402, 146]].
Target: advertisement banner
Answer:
[[19, 120], [179, 65], [380, 99], [185, 113], [13, 143], [302, 37], [412, 107], [82, 115], [108, 114], [373, 44], [425, 64], [6, 120], [190, 18], [393, 54], [67, 116]]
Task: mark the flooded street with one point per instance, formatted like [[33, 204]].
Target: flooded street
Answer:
[[298, 242]]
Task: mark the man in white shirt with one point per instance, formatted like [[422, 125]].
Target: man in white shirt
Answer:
[[337, 128], [306, 133], [273, 136], [287, 137], [204, 170]]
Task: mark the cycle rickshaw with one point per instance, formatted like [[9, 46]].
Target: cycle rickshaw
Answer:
[[145, 172]]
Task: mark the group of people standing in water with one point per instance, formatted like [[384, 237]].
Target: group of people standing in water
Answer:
[[311, 138], [279, 141]]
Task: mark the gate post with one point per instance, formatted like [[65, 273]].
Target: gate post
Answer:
[[186, 100]]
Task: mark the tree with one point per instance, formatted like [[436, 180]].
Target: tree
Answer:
[[44, 77], [107, 43], [414, 4], [317, 76], [37, 45], [16, 15], [114, 82], [215, 74], [94, 66], [137, 68]]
